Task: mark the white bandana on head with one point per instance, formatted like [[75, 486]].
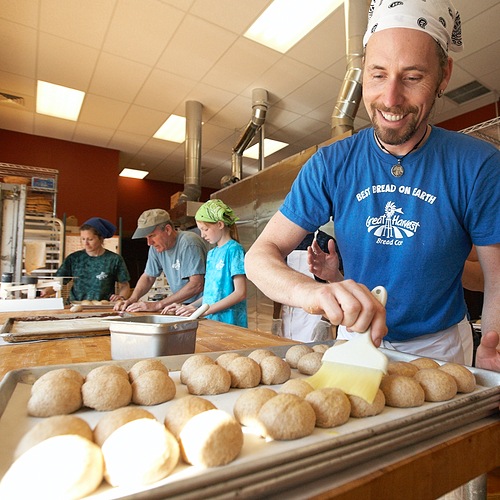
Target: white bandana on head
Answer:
[[438, 18]]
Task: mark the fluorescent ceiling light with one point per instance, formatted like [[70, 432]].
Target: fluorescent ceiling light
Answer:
[[134, 174], [58, 101], [174, 129], [270, 147], [285, 22]]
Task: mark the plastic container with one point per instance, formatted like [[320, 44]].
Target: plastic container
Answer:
[[152, 336]]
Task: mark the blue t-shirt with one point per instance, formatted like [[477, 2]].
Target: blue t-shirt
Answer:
[[185, 259], [411, 234], [223, 263]]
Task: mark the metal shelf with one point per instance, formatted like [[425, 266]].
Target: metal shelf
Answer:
[[487, 131]]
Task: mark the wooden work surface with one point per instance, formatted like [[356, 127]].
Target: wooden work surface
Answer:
[[211, 336], [423, 471]]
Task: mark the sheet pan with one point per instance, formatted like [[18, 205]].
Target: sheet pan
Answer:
[[267, 467]]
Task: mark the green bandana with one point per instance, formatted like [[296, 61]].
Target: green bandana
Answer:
[[214, 211]]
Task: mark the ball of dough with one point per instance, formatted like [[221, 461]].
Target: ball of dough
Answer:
[[76, 308], [192, 363], [145, 365], [297, 386], [322, 348], [274, 370], [225, 359], [259, 354], [116, 418], [55, 397], [209, 379], [401, 391], [106, 392], [465, 379], [54, 426], [211, 438], [183, 409], [244, 372], [67, 466], [295, 352], [423, 363], [152, 388], [310, 363], [361, 408], [105, 370], [60, 373], [331, 406], [437, 384], [139, 452], [247, 406], [402, 368], [287, 416]]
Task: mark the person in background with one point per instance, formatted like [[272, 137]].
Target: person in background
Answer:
[[408, 200], [181, 255], [225, 282], [293, 322], [98, 273]]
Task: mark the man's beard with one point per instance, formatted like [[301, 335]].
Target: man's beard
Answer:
[[396, 137]]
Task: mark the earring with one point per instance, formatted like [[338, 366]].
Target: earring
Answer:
[[440, 93]]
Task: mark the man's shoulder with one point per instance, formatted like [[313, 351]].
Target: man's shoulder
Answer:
[[189, 238]]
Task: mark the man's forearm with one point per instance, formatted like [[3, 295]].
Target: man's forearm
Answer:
[[189, 290], [274, 277]]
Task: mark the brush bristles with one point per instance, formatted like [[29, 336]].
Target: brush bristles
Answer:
[[353, 380]]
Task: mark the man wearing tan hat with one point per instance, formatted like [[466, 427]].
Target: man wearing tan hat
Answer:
[[181, 255], [408, 200]]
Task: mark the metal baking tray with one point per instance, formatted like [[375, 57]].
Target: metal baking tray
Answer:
[[265, 469], [58, 326]]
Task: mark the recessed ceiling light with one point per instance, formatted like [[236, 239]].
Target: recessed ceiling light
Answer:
[[174, 129], [56, 100], [285, 22], [270, 147], [134, 174]]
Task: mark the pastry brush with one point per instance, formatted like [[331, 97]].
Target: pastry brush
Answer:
[[356, 367]]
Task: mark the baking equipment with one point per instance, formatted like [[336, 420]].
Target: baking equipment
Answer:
[[356, 367], [150, 336], [22, 296], [266, 469], [61, 326]]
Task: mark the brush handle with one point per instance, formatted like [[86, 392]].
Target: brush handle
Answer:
[[380, 293]]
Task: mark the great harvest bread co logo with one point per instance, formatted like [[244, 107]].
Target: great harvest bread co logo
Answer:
[[390, 228]]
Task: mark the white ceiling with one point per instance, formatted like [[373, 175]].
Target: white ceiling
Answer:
[[140, 61]]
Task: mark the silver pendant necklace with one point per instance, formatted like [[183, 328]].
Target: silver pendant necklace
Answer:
[[397, 169]]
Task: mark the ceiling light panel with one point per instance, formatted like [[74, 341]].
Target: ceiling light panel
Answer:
[[270, 147], [285, 22], [56, 100], [174, 129], [134, 174]]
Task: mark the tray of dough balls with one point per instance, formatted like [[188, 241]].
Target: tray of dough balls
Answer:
[[238, 423]]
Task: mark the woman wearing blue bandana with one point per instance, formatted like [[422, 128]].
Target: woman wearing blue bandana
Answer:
[[96, 270], [225, 287]]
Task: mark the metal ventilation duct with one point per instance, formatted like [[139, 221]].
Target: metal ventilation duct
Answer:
[[192, 152], [259, 110], [349, 98]]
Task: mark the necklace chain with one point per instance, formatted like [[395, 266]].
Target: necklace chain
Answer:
[[398, 170]]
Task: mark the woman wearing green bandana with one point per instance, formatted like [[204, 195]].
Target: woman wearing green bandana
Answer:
[[225, 287]]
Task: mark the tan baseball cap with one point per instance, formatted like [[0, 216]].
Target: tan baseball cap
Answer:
[[148, 221]]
